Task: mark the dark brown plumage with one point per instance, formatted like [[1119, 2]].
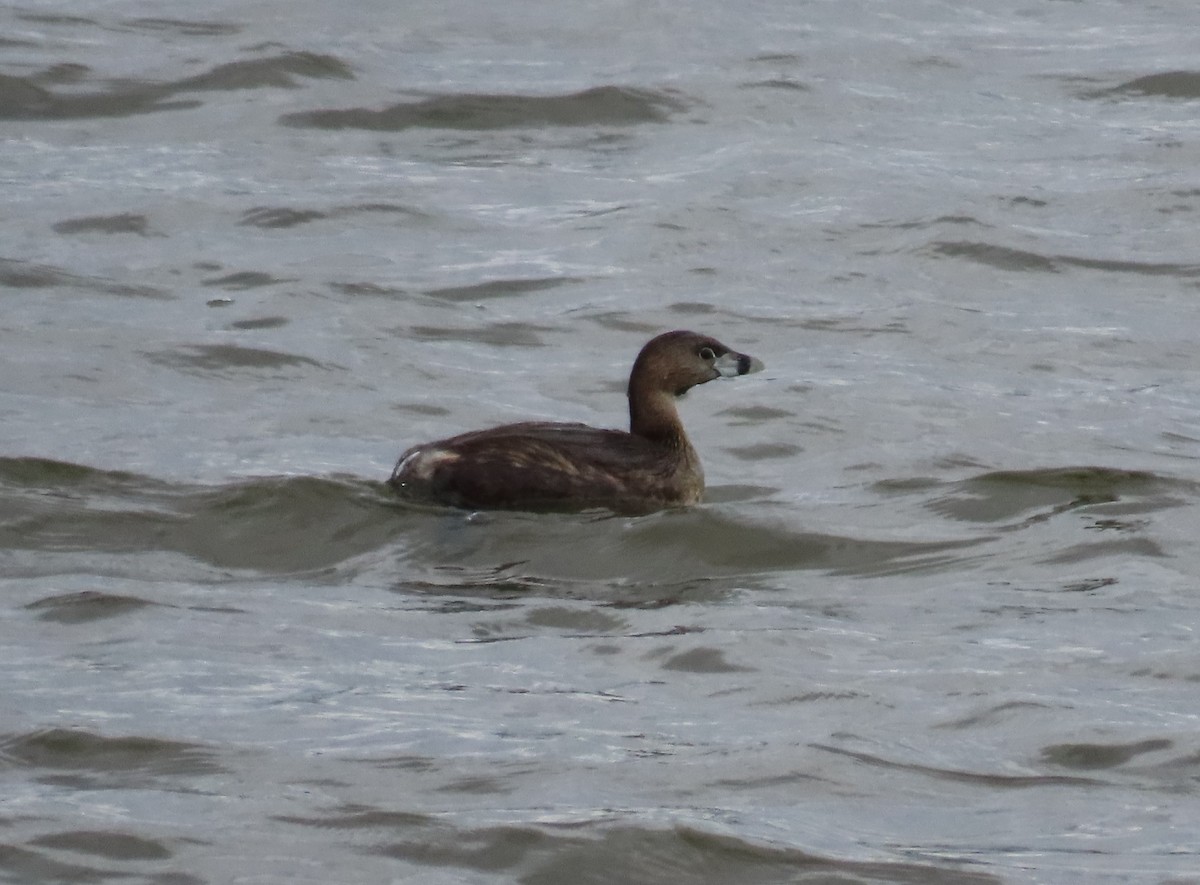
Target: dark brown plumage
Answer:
[[551, 466]]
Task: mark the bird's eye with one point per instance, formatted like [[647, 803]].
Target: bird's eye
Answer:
[[706, 353]]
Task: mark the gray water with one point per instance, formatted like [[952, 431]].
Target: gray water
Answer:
[[935, 621]]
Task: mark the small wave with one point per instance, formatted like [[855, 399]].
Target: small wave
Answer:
[[271, 217], [981, 778], [503, 334], [1001, 257], [125, 223], [1039, 494], [218, 358], [268, 322], [1170, 84], [1006, 258], [24, 98], [185, 28], [26, 275], [283, 217], [246, 279], [777, 83], [1101, 756], [499, 288], [85, 606], [276, 524], [65, 749], [104, 843], [278, 71], [604, 851], [764, 451], [600, 106], [705, 552]]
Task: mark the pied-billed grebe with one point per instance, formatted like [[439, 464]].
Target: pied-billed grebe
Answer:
[[551, 466]]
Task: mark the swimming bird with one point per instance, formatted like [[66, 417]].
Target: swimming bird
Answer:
[[569, 466]]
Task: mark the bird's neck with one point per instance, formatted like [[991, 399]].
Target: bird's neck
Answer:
[[653, 416]]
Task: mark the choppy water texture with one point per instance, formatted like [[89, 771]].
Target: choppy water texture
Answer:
[[935, 621]]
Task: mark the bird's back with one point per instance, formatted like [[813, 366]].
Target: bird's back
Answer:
[[548, 466]]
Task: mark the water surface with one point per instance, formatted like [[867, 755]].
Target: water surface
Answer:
[[935, 619]]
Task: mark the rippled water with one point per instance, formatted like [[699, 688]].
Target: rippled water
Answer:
[[935, 621]]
